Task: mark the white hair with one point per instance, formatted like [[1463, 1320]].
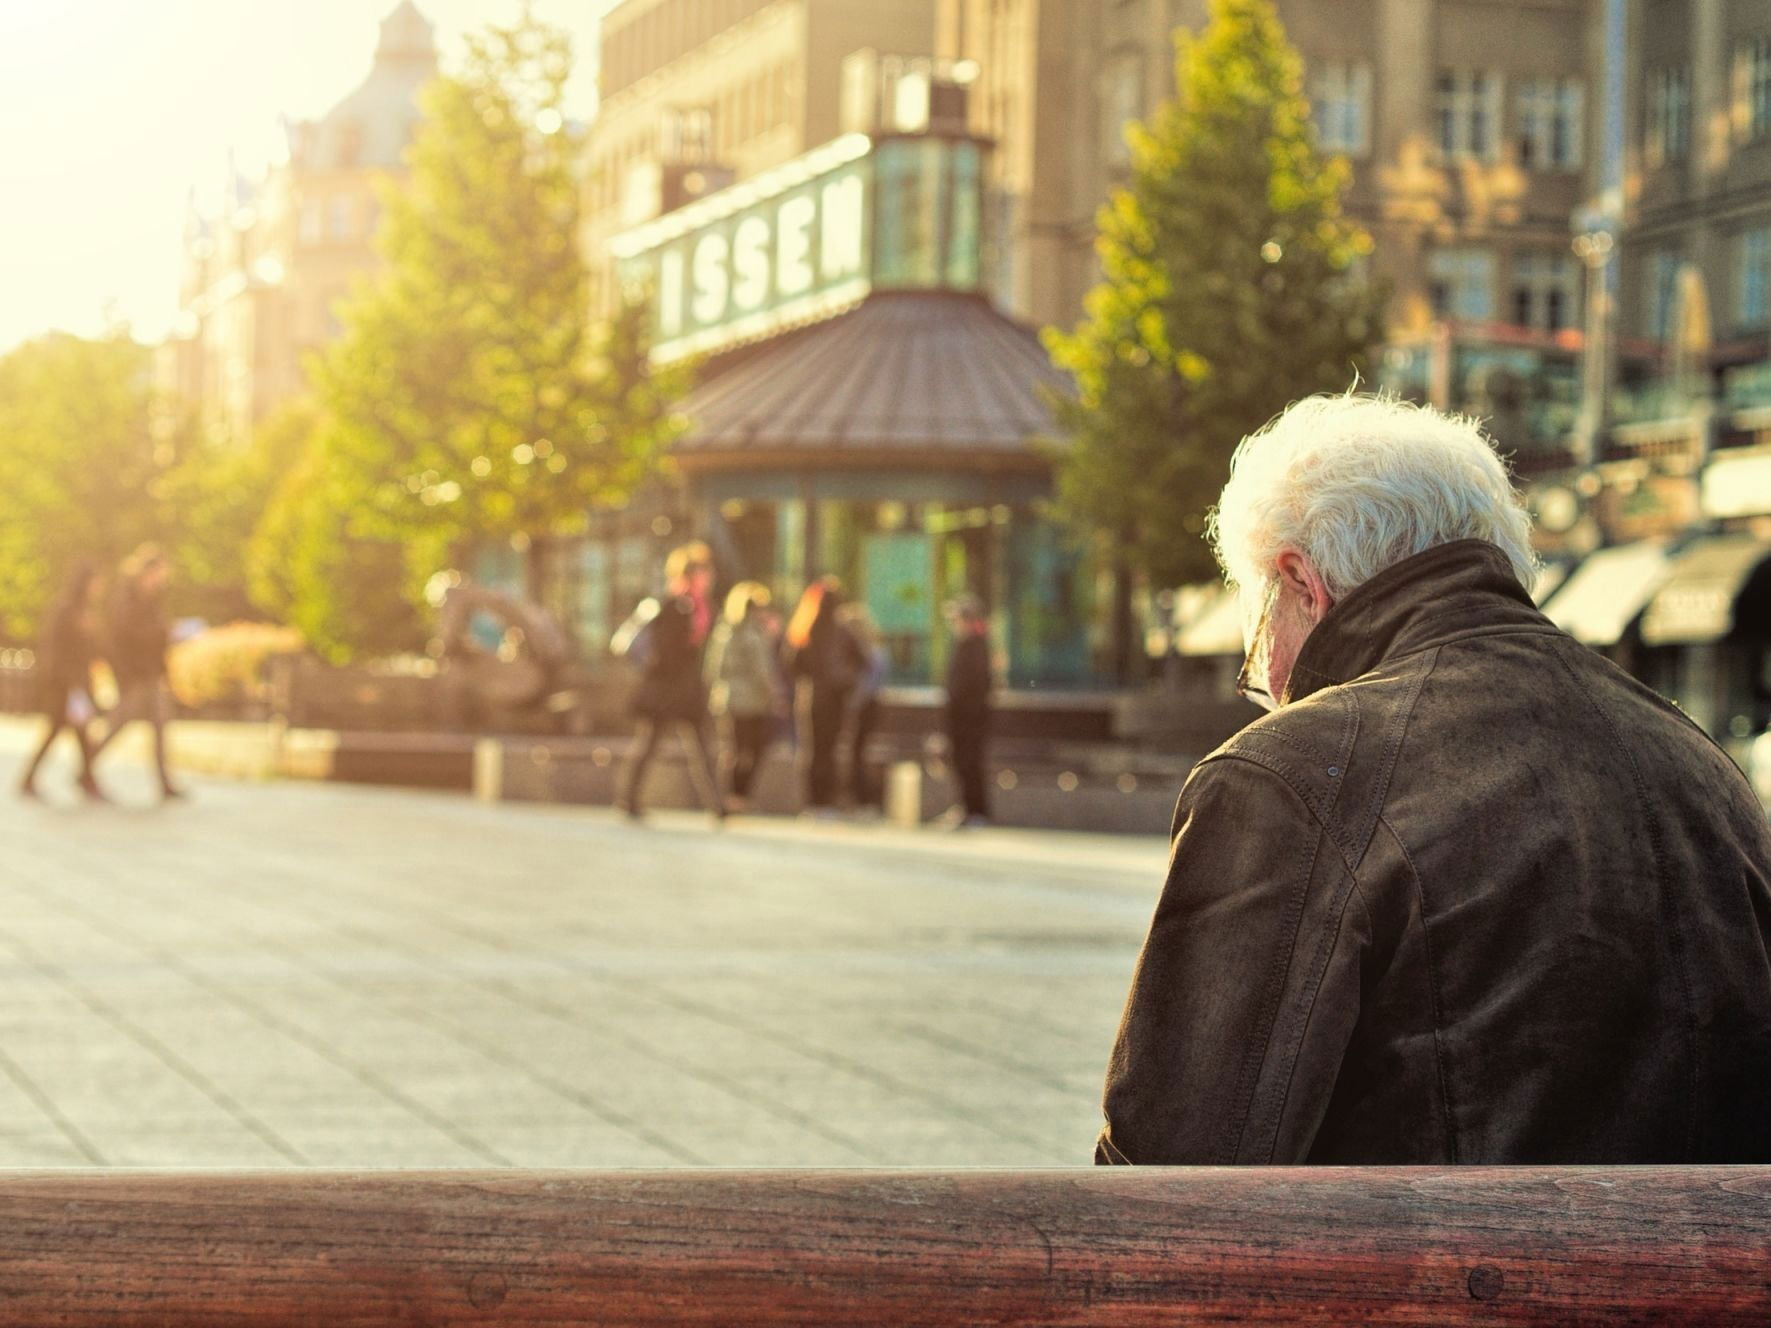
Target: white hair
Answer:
[[1356, 483]]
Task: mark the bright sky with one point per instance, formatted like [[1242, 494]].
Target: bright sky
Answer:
[[111, 110]]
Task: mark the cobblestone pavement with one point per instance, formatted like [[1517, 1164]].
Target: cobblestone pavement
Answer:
[[284, 975]]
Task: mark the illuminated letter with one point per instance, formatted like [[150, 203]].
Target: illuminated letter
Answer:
[[750, 260], [843, 228], [712, 282], [793, 246]]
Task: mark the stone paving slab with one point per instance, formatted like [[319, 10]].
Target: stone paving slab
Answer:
[[288, 975]]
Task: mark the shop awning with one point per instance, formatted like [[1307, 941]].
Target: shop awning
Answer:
[[1696, 603], [1215, 628], [1606, 592], [913, 374]]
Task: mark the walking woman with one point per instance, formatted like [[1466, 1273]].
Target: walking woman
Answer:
[[139, 635], [64, 666], [745, 685], [827, 659], [671, 693]]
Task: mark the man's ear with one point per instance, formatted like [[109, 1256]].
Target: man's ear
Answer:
[[1298, 575]]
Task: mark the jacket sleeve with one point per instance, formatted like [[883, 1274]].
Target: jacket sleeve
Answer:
[[1246, 992]]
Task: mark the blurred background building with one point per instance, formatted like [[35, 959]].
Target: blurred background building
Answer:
[[855, 216], [798, 187], [265, 270], [1469, 126]]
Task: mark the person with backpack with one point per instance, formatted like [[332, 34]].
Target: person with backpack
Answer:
[[665, 639], [744, 685]]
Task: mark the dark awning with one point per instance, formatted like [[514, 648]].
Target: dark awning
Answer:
[[919, 375], [1696, 603], [1605, 593]]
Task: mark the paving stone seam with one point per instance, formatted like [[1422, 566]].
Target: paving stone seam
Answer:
[[160, 1051], [368, 1077]]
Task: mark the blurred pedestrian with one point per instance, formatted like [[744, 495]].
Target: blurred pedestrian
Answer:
[[863, 786], [668, 647], [744, 685], [785, 728], [826, 659], [138, 634], [969, 685], [65, 655]]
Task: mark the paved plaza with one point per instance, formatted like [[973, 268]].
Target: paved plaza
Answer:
[[288, 975]]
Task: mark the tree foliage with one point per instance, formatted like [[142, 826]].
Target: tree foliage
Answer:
[[80, 466], [348, 594], [216, 494], [470, 396], [1227, 292]]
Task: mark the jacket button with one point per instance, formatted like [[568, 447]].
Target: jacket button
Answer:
[[1334, 772]]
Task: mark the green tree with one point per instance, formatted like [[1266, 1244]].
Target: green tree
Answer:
[[219, 492], [1227, 293], [347, 594], [81, 469], [470, 397]]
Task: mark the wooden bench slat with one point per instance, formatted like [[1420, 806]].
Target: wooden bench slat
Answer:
[[834, 1248]]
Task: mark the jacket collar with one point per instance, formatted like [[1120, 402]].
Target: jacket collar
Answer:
[[1452, 590]]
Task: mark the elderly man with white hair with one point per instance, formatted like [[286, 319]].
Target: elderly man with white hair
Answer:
[[1469, 893]]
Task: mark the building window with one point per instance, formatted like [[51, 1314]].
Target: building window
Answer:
[[1469, 113], [1551, 123], [1668, 136], [312, 225], [1662, 278], [1545, 286], [339, 218], [1752, 278], [1122, 101], [1340, 104], [1461, 283], [1752, 88]]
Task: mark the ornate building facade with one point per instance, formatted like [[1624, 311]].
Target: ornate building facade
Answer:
[[264, 273], [1467, 124]]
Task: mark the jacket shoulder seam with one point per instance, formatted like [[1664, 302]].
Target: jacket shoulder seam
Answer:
[[1300, 787], [1248, 1080], [1325, 948], [1428, 661], [1433, 992]]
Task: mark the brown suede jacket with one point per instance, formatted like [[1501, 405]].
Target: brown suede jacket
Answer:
[[1473, 895]]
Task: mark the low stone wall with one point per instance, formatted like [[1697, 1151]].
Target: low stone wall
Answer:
[[1040, 786], [1031, 790]]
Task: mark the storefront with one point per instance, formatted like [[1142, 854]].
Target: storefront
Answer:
[[864, 411]]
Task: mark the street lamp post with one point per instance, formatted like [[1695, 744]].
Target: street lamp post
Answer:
[[1594, 246]]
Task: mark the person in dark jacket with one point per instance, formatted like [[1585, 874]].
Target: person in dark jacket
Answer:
[[65, 657], [1470, 893], [671, 692], [826, 659], [139, 634], [860, 777], [969, 685]]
